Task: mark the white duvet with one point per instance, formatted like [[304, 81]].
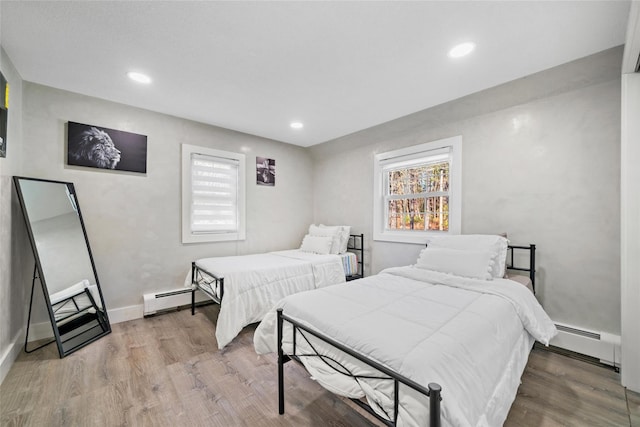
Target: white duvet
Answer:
[[253, 284], [470, 336]]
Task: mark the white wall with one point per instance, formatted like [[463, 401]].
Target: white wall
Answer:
[[15, 258], [541, 161], [631, 231], [630, 204], [133, 220], [630, 198]]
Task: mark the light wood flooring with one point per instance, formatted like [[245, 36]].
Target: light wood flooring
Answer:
[[167, 371]]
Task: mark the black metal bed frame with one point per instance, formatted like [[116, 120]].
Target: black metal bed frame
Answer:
[[532, 262], [358, 249], [208, 283], [213, 286], [433, 391]]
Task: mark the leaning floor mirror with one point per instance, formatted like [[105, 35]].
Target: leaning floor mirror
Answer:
[[63, 264]]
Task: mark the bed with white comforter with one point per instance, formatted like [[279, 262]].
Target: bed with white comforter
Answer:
[[470, 336], [253, 284]]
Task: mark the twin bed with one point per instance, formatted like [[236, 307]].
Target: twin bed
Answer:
[[452, 327], [248, 286], [399, 342]]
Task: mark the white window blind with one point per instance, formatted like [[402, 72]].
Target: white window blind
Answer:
[[213, 195], [214, 199]]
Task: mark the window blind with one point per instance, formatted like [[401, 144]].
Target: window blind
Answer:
[[214, 194]]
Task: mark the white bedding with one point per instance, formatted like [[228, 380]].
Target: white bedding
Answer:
[[254, 283], [470, 336]]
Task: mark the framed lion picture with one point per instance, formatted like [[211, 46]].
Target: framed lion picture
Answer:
[[104, 148]]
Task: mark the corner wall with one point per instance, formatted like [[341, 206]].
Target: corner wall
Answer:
[[540, 162], [630, 189], [630, 231], [14, 246]]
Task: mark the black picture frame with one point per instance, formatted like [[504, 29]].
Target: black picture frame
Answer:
[[265, 171], [104, 148], [4, 114]]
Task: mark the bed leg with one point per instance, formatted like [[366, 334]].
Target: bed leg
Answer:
[[193, 289], [280, 366], [434, 405]]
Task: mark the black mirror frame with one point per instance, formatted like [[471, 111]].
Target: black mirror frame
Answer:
[[41, 277]]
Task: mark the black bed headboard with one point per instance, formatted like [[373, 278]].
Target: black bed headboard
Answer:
[[356, 245], [531, 269], [532, 262]]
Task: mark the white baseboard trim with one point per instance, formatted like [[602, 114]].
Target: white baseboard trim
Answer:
[[10, 355], [600, 345], [123, 314]]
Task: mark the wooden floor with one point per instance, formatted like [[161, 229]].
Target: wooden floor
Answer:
[[167, 371]]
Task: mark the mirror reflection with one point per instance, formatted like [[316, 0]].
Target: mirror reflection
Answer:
[[65, 266]]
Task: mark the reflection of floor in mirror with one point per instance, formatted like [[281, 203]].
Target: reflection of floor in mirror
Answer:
[[167, 371]]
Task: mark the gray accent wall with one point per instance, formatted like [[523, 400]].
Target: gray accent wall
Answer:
[[541, 162], [133, 220]]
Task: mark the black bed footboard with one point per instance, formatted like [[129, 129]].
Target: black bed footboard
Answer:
[[208, 283], [432, 391]]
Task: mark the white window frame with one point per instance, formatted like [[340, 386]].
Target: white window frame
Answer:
[[187, 235], [454, 144]]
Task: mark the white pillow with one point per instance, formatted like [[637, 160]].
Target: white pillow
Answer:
[[333, 232], [474, 264], [317, 244], [497, 245], [345, 233]]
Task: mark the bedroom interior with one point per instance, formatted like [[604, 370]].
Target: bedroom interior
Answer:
[[548, 157]]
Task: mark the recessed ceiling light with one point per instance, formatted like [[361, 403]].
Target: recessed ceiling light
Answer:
[[139, 77], [296, 125], [461, 50]]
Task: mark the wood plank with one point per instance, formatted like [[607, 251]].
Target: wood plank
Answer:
[[166, 370], [633, 400]]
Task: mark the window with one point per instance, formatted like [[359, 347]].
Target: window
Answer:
[[213, 195], [417, 191]]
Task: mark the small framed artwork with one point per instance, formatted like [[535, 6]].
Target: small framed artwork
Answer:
[[104, 148], [265, 171]]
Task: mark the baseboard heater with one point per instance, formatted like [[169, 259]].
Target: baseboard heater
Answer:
[[599, 345], [160, 302]]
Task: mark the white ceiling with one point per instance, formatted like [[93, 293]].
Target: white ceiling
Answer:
[[338, 67]]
